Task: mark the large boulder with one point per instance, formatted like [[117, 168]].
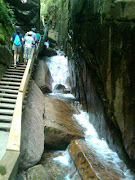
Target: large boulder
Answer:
[[32, 140], [60, 126], [38, 172], [48, 52], [89, 164], [58, 164], [42, 77], [57, 169]]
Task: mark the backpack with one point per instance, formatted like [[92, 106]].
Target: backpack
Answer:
[[17, 40]]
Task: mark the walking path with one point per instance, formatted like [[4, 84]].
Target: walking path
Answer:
[[9, 88]]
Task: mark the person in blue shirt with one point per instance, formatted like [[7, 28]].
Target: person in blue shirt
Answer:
[[38, 36], [17, 47]]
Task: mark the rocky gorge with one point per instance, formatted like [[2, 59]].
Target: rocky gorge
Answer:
[[55, 145], [97, 37]]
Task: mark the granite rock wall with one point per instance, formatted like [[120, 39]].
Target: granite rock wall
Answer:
[[99, 39], [27, 14]]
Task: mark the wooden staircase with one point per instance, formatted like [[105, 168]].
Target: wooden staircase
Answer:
[[9, 87], [13, 95]]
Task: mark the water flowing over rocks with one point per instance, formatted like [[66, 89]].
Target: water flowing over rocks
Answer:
[[42, 77], [32, 141], [56, 169], [60, 126], [53, 167], [98, 37], [89, 165]]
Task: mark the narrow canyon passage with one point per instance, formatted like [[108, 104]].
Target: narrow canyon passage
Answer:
[[85, 127], [59, 163]]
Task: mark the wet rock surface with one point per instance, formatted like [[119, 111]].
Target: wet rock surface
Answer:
[[48, 52], [60, 126], [38, 172], [32, 140], [42, 77], [27, 14], [89, 165], [6, 58], [59, 88], [56, 169], [99, 40]]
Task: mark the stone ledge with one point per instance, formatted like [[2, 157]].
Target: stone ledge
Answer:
[[88, 164]]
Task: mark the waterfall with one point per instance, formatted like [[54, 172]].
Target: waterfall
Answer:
[[58, 66]]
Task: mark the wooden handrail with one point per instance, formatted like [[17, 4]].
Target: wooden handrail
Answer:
[[11, 157], [15, 131]]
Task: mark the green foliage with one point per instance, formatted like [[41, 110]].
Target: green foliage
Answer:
[[6, 13], [47, 4], [7, 19], [2, 170], [10, 15]]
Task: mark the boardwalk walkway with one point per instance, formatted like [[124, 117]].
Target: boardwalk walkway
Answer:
[[9, 88], [13, 86]]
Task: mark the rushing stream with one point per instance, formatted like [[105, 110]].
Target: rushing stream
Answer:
[[58, 66]]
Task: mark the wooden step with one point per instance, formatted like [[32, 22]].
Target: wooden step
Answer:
[[6, 111], [5, 126], [21, 68], [15, 73], [12, 83], [9, 91], [20, 64], [8, 95], [10, 79], [7, 100], [9, 87], [7, 105], [15, 70], [5, 118], [12, 76]]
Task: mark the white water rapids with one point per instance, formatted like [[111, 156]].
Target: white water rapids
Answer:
[[58, 66]]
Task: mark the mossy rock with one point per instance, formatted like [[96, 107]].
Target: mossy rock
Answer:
[[2, 35], [38, 172], [2, 170]]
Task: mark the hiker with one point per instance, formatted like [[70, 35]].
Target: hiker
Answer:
[[28, 45], [38, 39], [17, 39], [38, 36], [34, 36]]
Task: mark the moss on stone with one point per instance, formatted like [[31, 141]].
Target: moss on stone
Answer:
[[6, 20], [2, 170]]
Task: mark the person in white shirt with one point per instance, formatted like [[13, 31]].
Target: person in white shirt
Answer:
[[28, 45], [34, 36]]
